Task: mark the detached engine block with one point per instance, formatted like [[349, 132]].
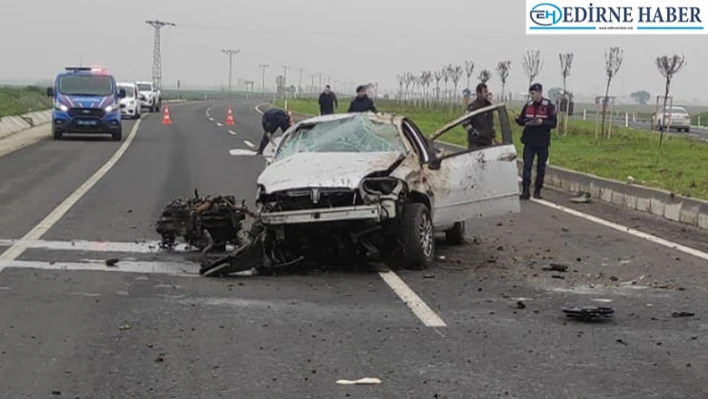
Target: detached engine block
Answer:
[[202, 222]]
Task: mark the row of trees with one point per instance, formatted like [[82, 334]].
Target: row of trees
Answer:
[[416, 87]]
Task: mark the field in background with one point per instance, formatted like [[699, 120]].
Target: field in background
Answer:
[[680, 169], [21, 100]]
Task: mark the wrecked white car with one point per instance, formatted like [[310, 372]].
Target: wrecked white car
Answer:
[[349, 188]]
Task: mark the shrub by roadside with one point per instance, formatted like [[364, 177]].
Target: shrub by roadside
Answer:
[[629, 152], [21, 100]]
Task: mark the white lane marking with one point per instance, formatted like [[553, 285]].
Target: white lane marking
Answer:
[[232, 132], [55, 215], [219, 124], [95, 246], [211, 119], [239, 152], [651, 238], [248, 143], [257, 108], [412, 300], [170, 268]]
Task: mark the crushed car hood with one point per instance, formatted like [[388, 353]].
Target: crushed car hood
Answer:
[[332, 169]]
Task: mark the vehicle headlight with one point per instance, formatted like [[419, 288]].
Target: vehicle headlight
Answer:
[[60, 107], [380, 185], [112, 107]]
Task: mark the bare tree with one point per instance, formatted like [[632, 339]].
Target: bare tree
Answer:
[[438, 76], [503, 69], [401, 82], [427, 78], [407, 80], [446, 77], [456, 75], [566, 63], [533, 64], [484, 76], [469, 69], [613, 62], [668, 67]]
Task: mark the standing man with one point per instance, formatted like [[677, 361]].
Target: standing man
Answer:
[[538, 118], [480, 128], [362, 102], [328, 101], [272, 120]]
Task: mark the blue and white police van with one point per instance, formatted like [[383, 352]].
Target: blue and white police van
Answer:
[[86, 100]]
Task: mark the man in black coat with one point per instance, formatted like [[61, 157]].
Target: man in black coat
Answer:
[[538, 118], [362, 102], [272, 120], [480, 128], [328, 101]]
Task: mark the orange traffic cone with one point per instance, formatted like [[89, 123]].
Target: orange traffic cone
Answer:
[[229, 117], [166, 118]]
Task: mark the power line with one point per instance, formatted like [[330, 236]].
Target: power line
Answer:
[[230, 53], [156, 53]]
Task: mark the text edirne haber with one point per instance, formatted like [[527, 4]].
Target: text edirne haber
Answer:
[[626, 14]]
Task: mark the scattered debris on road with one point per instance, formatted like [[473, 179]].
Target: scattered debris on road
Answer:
[[588, 313], [112, 262], [581, 198], [362, 381], [556, 267], [682, 314], [124, 326]]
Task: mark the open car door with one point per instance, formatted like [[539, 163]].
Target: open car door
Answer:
[[476, 183]]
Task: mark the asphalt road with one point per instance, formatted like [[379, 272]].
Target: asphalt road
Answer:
[[150, 328]]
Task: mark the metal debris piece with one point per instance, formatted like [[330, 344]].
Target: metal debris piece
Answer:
[[190, 219], [112, 262], [588, 313], [581, 198], [682, 314], [557, 267], [362, 381]]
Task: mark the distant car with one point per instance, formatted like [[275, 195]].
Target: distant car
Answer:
[[153, 97], [130, 104], [676, 118]]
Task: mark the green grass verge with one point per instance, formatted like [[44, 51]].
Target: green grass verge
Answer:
[[680, 169], [21, 100]]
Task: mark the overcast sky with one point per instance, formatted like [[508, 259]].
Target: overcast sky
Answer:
[[356, 41]]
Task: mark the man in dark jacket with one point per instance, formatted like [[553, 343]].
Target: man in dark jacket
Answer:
[[362, 102], [538, 118], [328, 101], [272, 120], [480, 128]]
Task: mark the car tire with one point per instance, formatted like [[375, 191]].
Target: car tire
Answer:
[[57, 134], [117, 136], [417, 236], [687, 130], [456, 235]]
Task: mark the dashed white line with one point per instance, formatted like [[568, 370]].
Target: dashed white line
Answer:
[[248, 143], [171, 268], [232, 132], [55, 215], [219, 124], [412, 300], [211, 119]]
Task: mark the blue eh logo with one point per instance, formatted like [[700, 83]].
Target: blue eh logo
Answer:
[[546, 14]]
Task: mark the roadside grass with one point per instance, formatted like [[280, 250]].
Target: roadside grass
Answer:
[[682, 167], [21, 100]]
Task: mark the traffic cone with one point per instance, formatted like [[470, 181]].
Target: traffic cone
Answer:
[[166, 118], [229, 117]]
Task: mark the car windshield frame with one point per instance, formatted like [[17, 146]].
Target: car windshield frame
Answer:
[[144, 87], [76, 85], [129, 91], [354, 134]]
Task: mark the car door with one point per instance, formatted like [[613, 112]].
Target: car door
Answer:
[[474, 183]]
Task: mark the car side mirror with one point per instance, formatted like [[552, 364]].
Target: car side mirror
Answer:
[[121, 93], [435, 164], [50, 92]]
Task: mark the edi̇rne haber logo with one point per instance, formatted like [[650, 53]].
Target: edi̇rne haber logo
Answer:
[[616, 17]]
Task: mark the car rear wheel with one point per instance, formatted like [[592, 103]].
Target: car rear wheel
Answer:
[[417, 236], [456, 235]]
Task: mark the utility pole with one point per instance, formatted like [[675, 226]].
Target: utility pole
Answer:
[[320, 80], [312, 87], [156, 55], [299, 84], [285, 81], [230, 53], [263, 67]]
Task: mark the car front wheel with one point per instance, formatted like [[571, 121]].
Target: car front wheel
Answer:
[[417, 236]]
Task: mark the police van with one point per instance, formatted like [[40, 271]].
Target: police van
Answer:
[[86, 101]]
